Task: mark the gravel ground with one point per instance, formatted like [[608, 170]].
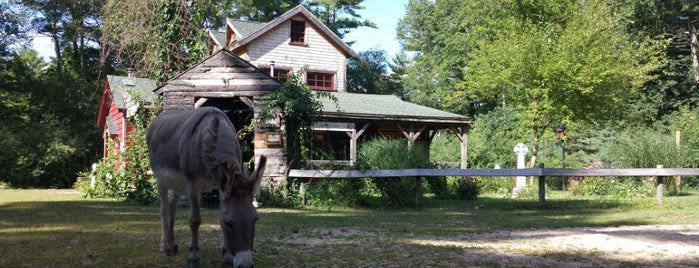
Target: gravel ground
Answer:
[[645, 246], [622, 246]]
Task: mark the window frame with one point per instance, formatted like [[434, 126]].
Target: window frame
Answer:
[[278, 72], [313, 81], [297, 35]]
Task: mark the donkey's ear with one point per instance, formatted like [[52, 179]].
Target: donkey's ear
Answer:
[[225, 180], [255, 177]]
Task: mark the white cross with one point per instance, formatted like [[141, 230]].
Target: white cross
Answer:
[[521, 149]]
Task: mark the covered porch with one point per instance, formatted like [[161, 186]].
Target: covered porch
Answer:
[[354, 118]]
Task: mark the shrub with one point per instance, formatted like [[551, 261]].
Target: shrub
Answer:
[[279, 194], [497, 185], [384, 153], [343, 192], [465, 188], [125, 176], [616, 187]]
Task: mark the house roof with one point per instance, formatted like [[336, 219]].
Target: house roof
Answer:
[[111, 126], [122, 91], [218, 37], [124, 88], [244, 28], [248, 31], [385, 107], [221, 73]]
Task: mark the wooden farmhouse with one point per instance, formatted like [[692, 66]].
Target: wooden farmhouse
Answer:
[[121, 99], [251, 59]]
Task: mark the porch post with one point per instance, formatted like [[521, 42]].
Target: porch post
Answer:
[[462, 134], [354, 135]]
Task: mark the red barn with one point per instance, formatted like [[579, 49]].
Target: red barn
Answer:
[[122, 97]]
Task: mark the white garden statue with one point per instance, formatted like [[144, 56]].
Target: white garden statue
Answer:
[[521, 183]]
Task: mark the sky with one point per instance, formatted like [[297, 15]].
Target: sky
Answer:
[[384, 13]]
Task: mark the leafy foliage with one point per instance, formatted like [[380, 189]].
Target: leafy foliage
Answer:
[[126, 176], [332, 14], [552, 60], [159, 38], [615, 187], [370, 73], [14, 27], [300, 106], [46, 140], [383, 153]]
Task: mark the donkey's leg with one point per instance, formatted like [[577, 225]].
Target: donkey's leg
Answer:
[[173, 198], [194, 222], [167, 216]]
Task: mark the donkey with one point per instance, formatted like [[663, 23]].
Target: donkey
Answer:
[[193, 152]]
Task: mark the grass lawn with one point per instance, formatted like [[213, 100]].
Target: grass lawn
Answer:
[[57, 228]]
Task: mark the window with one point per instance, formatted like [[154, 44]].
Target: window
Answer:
[[298, 32], [282, 75], [320, 81]]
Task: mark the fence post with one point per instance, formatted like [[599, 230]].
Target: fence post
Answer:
[[542, 188], [418, 191], [660, 182]]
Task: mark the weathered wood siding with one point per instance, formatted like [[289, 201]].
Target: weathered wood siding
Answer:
[[118, 115], [221, 75], [318, 54], [224, 75]]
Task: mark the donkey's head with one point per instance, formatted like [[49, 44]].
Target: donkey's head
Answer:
[[238, 215]]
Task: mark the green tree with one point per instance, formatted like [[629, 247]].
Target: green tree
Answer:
[[160, 38], [72, 26], [437, 33], [14, 27], [369, 73], [676, 85], [555, 61], [265, 10], [44, 114], [398, 66], [339, 15]]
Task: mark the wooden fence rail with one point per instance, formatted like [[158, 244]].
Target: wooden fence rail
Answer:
[[556, 172], [542, 173]]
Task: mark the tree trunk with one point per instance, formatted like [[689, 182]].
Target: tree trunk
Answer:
[[693, 48], [534, 149], [57, 50]]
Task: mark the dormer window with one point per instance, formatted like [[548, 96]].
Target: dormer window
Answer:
[[298, 32]]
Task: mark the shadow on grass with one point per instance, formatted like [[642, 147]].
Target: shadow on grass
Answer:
[[456, 229], [97, 233], [102, 233]]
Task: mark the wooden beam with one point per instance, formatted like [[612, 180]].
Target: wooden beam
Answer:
[[248, 102], [411, 135], [200, 102], [354, 136], [462, 134]]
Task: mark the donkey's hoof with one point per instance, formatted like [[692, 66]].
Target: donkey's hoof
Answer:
[[171, 251], [228, 264]]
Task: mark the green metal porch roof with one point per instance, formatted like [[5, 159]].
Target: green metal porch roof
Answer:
[[385, 107]]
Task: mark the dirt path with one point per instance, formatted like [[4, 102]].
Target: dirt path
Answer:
[[647, 246], [623, 246]]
